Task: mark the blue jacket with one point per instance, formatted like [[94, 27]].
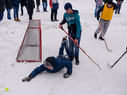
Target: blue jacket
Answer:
[[16, 2], [55, 6], [73, 20], [60, 63]]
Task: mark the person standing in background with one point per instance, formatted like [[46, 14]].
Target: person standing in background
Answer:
[[38, 4], [8, 6], [54, 7], [16, 9], [31, 6], [119, 3], [24, 3], [44, 3], [1, 9], [98, 5]]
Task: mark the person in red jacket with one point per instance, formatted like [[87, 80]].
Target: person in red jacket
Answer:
[[54, 5]]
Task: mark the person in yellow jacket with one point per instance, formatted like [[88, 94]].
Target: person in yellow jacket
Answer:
[[106, 15]]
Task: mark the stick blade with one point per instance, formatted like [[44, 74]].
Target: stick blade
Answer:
[[109, 65], [109, 50]]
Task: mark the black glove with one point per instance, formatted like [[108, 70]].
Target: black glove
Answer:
[[98, 18], [27, 79], [66, 75]]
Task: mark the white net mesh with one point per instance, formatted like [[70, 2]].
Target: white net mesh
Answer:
[[30, 49]]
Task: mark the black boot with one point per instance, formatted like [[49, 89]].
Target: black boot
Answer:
[[95, 35], [77, 60], [101, 38], [71, 58]]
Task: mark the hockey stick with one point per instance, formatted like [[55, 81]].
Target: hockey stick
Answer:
[[81, 49], [118, 59], [104, 38]]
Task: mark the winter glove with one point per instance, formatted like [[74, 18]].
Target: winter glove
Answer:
[[98, 18], [66, 75], [27, 79]]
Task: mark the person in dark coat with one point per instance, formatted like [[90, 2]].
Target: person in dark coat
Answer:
[[2, 9], [8, 6], [54, 5], [16, 9], [53, 65], [31, 6], [23, 3], [119, 4], [44, 3], [38, 4]]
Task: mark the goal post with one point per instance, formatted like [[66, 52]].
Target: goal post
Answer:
[[31, 46]]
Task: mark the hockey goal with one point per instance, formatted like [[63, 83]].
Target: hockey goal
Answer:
[[31, 48]]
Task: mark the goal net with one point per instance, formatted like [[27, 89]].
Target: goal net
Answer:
[[31, 48]]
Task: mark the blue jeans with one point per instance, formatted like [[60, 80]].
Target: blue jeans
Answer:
[[22, 10], [96, 9], [65, 45], [16, 10], [73, 48], [118, 10], [1, 15], [8, 14], [44, 6]]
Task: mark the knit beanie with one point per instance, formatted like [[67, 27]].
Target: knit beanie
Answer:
[[110, 2], [68, 6], [51, 60]]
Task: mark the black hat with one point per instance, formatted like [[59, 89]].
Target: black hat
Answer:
[[51, 60], [110, 2], [68, 6]]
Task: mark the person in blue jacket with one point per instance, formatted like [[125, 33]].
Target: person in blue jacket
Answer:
[[53, 65], [72, 18]]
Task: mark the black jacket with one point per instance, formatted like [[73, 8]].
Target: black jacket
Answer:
[[44, 0], [23, 3], [31, 4], [2, 5], [38, 2], [8, 4], [119, 0]]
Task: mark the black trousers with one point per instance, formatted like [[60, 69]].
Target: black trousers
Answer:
[[53, 14], [30, 14]]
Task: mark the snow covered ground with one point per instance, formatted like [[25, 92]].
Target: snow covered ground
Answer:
[[86, 79]]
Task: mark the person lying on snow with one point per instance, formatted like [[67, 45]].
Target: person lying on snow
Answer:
[[52, 64]]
